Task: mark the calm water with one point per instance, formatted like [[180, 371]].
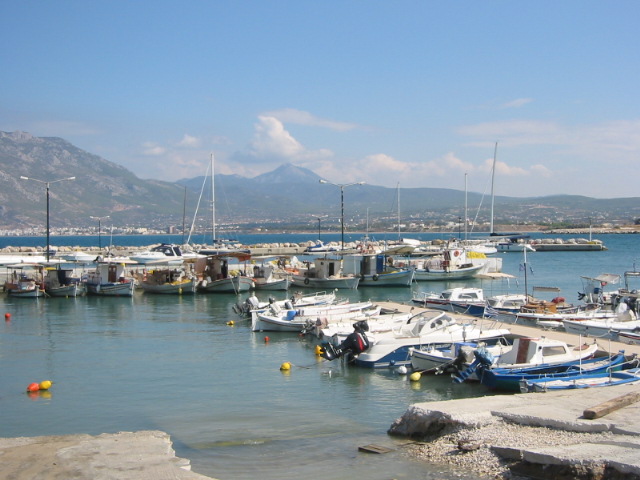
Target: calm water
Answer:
[[173, 364]]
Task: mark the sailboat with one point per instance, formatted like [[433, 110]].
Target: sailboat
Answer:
[[213, 270]]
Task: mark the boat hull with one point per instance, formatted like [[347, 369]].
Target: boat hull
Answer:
[[276, 285], [226, 285], [344, 283], [422, 275], [173, 288], [392, 279], [119, 289]]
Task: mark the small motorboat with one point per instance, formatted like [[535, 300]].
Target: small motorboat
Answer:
[[591, 380]]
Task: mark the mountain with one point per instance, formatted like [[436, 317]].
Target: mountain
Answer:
[[288, 195]]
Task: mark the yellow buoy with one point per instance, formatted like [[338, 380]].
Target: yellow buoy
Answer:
[[415, 376], [231, 322], [285, 366], [45, 385], [319, 350]]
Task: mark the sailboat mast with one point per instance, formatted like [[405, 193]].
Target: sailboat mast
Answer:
[[466, 217], [493, 174], [213, 201]]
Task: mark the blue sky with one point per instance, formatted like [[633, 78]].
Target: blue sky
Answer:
[[414, 93]]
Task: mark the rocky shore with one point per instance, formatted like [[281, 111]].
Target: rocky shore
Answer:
[[541, 435]]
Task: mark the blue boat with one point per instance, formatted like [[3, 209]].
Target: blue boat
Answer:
[[566, 382]]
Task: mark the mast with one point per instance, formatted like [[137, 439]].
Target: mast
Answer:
[[466, 218], [398, 194], [493, 174], [213, 201]]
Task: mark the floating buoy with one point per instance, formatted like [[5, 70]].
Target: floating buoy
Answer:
[[7, 317], [285, 366], [231, 322], [33, 387], [266, 339], [319, 350], [402, 370], [415, 376], [45, 385]]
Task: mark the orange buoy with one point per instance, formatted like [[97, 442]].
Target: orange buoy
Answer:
[[33, 387], [266, 339], [7, 317]]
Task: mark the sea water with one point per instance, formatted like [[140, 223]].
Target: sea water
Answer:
[[177, 364]]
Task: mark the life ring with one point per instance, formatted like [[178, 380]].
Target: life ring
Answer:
[[456, 253], [375, 277], [306, 281]]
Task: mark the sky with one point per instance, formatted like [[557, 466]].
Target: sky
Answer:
[[408, 93]]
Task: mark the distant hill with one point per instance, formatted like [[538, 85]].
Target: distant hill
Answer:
[[287, 194]]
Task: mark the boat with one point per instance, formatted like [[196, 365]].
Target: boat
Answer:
[[377, 270], [77, 256], [109, 278], [24, 280], [428, 327], [603, 328], [452, 264], [533, 356], [296, 320], [252, 305], [325, 273], [215, 277], [164, 253], [591, 380], [514, 243], [455, 357], [266, 277], [467, 300], [169, 281], [61, 282], [384, 322], [321, 247]]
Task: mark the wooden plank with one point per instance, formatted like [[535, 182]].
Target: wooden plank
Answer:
[[611, 405], [374, 449]]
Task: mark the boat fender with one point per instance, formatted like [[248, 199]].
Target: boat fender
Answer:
[[306, 281], [375, 277], [456, 253]]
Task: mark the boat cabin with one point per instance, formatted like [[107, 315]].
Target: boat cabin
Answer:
[[324, 268]]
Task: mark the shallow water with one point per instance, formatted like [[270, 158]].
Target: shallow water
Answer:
[[173, 364]]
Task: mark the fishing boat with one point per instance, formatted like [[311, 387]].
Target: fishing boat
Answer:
[[168, 281], [267, 277], [452, 264], [591, 380], [607, 327], [534, 356], [252, 305], [216, 277], [109, 278], [377, 270], [455, 357], [61, 282], [384, 322], [427, 327], [24, 280], [468, 300], [324, 273]]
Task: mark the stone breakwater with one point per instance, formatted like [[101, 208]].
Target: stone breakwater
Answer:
[[543, 435]]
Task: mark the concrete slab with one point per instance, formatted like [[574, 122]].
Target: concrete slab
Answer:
[[120, 456]]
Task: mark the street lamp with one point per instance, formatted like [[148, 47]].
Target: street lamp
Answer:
[[99, 228], [47, 184], [319, 219], [342, 187]]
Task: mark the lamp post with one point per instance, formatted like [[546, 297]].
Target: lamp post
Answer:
[[319, 218], [342, 187], [99, 229], [47, 184]]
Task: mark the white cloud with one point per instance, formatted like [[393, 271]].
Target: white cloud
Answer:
[[153, 149], [517, 103], [189, 141], [300, 117]]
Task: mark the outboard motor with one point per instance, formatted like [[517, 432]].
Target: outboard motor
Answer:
[[355, 343], [484, 359]]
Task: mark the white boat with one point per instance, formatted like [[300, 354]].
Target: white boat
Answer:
[[265, 277], [516, 243], [252, 305], [384, 322], [275, 319], [469, 300], [110, 278], [60, 282], [215, 275], [321, 247], [428, 327], [24, 280], [453, 264], [325, 273], [169, 281], [164, 253], [606, 328], [78, 256], [377, 271]]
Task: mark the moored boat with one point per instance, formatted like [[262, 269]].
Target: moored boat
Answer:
[[109, 278]]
